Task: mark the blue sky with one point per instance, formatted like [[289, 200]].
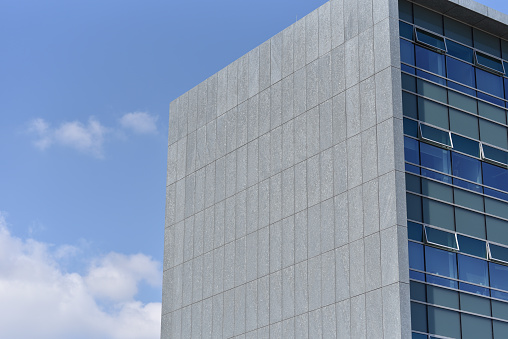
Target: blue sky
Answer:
[[85, 88]]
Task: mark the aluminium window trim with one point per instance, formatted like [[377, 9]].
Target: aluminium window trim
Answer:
[[427, 45], [485, 67], [434, 142], [493, 259], [438, 245], [490, 160]]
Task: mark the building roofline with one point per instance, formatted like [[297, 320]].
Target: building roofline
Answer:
[[472, 13]]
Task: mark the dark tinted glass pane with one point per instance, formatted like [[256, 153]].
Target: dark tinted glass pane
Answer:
[[412, 169], [499, 157], [443, 297], [411, 153], [458, 31], [436, 176], [416, 275], [418, 317], [435, 135], [432, 279], [431, 61], [475, 327], [430, 39], [474, 289], [496, 230], [495, 176], [428, 19], [406, 10], [486, 43], [405, 31], [473, 270], [499, 252], [472, 246], [406, 68], [492, 112], [496, 194], [432, 91], [433, 113], [414, 207], [408, 82], [463, 102], [460, 71], [467, 167], [440, 262], [490, 83], [414, 231], [416, 260], [435, 158], [411, 127], [489, 62], [417, 291], [431, 77], [499, 295], [465, 145], [409, 104], [459, 51], [413, 183], [493, 134], [498, 276], [505, 83], [490, 98], [469, 222], [440, 238], [407, 51], [444, 322]]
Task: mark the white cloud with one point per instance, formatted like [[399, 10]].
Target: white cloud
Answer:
[[139, 122], [38, 299], [87, 138]]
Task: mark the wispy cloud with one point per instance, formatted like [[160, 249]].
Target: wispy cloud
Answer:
[[33, 285], [139, 122], [89, 137]]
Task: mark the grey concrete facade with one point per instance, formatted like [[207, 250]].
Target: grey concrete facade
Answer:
[[285, 212]]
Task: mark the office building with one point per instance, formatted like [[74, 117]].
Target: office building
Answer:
[[347, 178]]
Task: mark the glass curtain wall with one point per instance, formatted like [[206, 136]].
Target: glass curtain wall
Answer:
[[455, 99]]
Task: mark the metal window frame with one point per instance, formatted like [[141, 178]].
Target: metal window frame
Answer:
[[493, 259], [423, 43], [425, 226], [433, 142], [489, 160], [485, 67]]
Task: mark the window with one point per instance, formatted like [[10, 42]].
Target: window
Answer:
[[498, 253], [473, 270], [497, 157], [472, 246], [436, 136], [459, 51], [435, 158], [489, 63], [466, 145], [441, 239], [431, 40]]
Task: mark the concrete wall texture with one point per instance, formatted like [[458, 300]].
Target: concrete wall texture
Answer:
[[285, 212]]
